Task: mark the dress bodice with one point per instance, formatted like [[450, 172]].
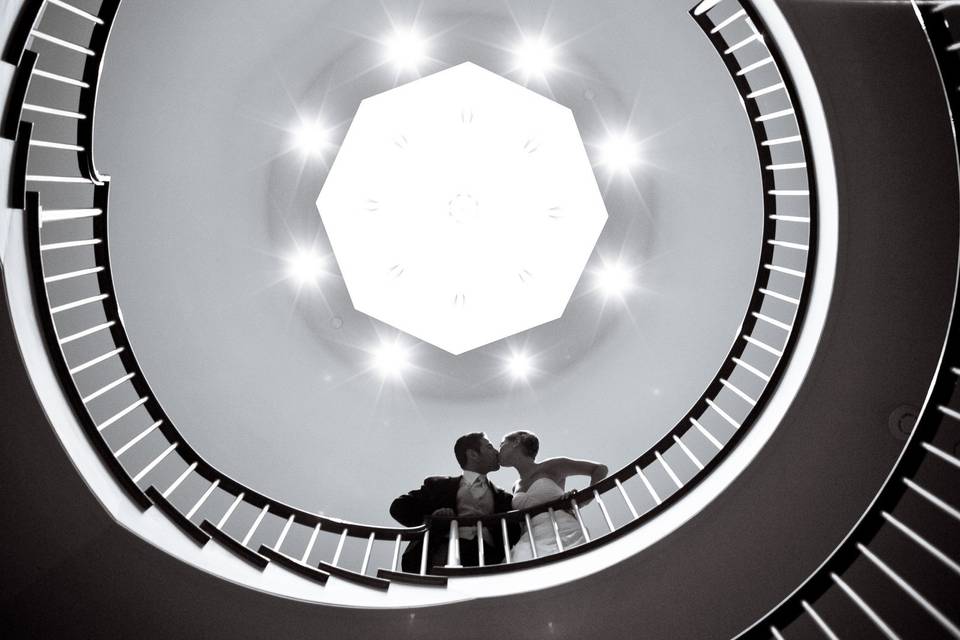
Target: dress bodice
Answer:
[[542, 490]]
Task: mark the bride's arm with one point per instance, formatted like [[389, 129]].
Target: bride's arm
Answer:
[[563, 467]]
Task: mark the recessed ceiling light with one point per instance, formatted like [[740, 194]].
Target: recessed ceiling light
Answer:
[[311, 138], [614, 279], [391, 359], [535, 57], [406, 49], [619, 153], [520, 366], [305, 266]]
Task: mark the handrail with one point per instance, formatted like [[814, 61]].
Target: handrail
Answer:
[[92, 69]]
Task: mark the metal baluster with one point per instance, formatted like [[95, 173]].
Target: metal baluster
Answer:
[[283, 534], [583, 527], [107, 387], [366, 554], [150, 467], [506, 540], [137, 438], [336, 554], [230, 510], [453, 545], [827, 631], [56, 77], [78, 303], [203, 498], [646, 483], [313, 541], [689, 453], [59, 215], [556, 528], [533, 545], [121, 414], [480, 550], [666, 467], [922, 542], [255, 525], [423, 553], [603, 509], [86, 332], [178, 481], [877, 620], [910, 591], [706, 434], [626, 498], [80, 12], [396, 553]]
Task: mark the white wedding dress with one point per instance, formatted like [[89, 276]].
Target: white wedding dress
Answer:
[[544, 490]]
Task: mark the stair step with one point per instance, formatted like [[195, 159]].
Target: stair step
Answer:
[[194, 532], [353, 576], [234, 545], [413, 578], [294, 565]]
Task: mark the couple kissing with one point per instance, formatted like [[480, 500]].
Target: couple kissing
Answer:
[[473, 495]]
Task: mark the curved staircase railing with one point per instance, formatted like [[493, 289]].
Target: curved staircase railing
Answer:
[[897, 573]]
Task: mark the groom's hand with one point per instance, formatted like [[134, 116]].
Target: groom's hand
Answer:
[[445, 512]]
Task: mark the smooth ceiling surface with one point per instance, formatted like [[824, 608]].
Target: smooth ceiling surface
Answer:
[[271, 383]]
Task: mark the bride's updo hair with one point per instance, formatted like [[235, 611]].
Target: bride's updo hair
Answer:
[[529, 442]]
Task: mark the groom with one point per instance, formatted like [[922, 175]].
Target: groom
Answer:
[[469, 494]]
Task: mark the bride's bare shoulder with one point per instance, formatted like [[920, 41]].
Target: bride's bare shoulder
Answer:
[[550, 464]]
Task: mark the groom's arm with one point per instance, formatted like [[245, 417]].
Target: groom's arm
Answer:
[[411, 508]]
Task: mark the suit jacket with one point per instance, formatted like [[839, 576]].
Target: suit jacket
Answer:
[[411, 509]]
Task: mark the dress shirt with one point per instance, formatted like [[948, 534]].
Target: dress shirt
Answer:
[[474, 498]]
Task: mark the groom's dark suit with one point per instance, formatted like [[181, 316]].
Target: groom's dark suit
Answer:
[[411, 509]]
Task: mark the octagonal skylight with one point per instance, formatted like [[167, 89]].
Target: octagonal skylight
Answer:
[[462, 208]]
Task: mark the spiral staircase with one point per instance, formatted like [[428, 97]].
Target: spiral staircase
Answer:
[[822, 503]]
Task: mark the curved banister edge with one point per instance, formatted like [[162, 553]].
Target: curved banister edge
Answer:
[[92, 69], [18, 170]]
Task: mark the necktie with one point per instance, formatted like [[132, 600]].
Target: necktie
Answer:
[[479, 487]]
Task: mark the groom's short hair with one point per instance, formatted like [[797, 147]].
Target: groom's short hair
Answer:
[[464, 443]]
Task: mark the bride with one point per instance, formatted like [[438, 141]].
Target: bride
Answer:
[[539, 483]]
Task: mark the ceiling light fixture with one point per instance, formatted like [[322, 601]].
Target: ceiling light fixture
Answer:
[[391, 359], [614, 279], [619, 154], [406, 49], [305, 266], [520, 366], [535, 57], [311, 138]]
